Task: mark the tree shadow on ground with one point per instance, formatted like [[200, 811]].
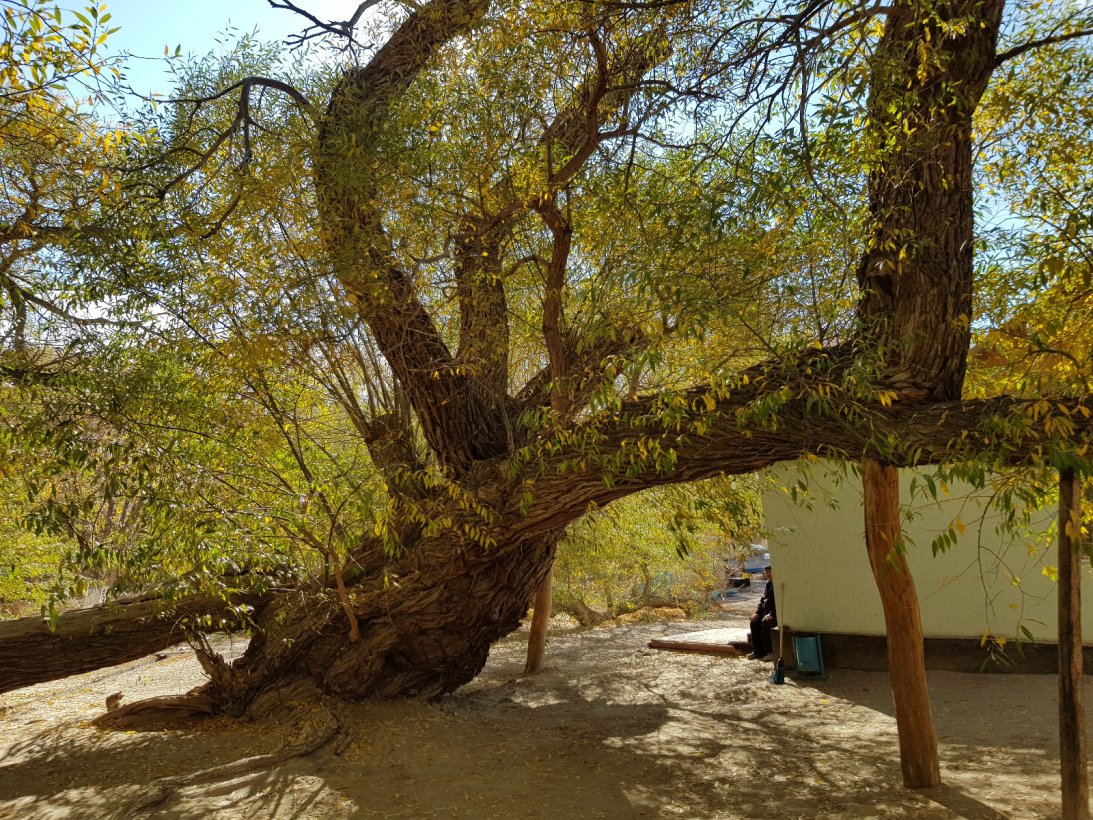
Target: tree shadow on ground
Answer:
[[731, 753], [397, 759], [609, 729], [87, 771], [978, 724]]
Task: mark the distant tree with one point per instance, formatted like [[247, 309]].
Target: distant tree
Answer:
[[664, 546]]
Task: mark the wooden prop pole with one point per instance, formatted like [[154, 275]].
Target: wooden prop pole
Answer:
[[906, 659], [1072, 753], [540, 621]]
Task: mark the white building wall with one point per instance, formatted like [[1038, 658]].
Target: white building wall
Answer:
[[988, 582]]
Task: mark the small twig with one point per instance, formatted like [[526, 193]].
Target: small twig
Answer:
[[319, 28]]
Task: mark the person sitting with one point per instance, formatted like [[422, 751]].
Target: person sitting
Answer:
[[763, 621]]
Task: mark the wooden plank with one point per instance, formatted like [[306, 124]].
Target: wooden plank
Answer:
[[724, 641], [708, 648]]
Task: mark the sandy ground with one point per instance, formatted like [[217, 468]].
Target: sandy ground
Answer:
[[610, 729]]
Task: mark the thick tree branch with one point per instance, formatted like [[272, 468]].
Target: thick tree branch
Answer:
[[483, 309], [562, 232], [575, 134], [456, 422], [915, 277], [680, 438], [88, 639]]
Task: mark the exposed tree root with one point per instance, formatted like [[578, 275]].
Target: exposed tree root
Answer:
[[157, 713], [317, 725], [587, 616]]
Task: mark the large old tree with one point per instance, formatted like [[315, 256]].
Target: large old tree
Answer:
[[458, 175]]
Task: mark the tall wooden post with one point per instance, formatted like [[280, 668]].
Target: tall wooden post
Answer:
[[1072, 752], [540, 620], [906, 659]]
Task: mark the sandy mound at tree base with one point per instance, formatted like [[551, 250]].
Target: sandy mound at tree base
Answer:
[[610, 729]]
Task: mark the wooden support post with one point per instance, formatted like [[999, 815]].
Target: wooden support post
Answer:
[[540, 620], [1072, 754], [906, 660]]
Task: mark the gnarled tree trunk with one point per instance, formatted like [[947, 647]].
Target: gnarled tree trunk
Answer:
[[426, 624]]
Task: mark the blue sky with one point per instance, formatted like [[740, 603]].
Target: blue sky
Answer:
[[147, 26]]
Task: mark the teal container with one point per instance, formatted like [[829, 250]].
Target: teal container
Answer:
[[810, 657]]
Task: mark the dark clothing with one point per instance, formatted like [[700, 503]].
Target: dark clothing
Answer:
[[766, 603], [761, 643]]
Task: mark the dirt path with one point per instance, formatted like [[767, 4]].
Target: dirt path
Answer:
[[610, 729]]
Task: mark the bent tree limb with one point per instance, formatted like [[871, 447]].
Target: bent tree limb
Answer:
[[428, 618], [644, 446], [101, 636]]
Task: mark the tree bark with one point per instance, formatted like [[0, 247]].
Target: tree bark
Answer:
[[916, 275], [1072, 749], [460, 418], [906, 659], [426, 623]]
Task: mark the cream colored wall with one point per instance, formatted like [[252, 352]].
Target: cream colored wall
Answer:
[[819, 555]]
